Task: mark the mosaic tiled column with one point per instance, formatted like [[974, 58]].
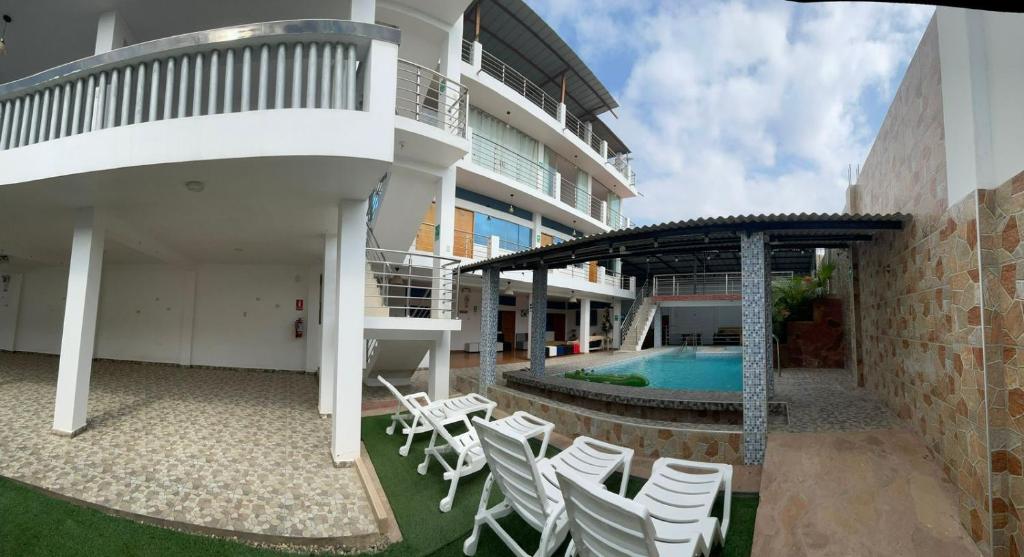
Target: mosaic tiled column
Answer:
[[769, 333], [488, 329], [538, 320], [756, 345]]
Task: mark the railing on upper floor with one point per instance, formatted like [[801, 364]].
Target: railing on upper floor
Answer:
[[467, 51], [507, 162], [704, 283], [516, 81], [261, 66], [428, 96]]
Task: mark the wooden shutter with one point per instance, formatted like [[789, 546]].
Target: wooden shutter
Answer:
[[425, 234], [593, 271], [463, 233]]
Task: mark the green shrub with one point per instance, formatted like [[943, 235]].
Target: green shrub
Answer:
[[630, 380]]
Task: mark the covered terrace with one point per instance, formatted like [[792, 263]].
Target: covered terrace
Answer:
[[757, 243]]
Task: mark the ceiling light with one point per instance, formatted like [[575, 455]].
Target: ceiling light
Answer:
[[572, 299], [3, 34], [511, 208], [508, 290], [195, 186]]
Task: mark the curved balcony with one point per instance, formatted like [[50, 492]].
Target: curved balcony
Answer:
[[283, 88]]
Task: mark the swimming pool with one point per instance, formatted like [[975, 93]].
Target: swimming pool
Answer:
[[684, 370]]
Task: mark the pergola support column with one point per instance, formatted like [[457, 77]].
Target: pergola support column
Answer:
[[488, 329], [757, 336], [538, 321]]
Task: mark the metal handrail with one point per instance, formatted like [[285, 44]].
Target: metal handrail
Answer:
[[492, 66], [683, 284], [197, 74], [467, 51], [638, 301], [505, 161], [403, 281], [375, 199], [430, 97]]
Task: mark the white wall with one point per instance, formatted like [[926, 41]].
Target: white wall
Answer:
[[704, 320], [243, 315]]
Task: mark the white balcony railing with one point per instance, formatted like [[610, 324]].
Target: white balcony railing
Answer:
[[262, 66], [427, 96], [704, 283], [502, 160], [516, 81]]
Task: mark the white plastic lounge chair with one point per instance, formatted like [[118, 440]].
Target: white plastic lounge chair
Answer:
[[447, 411], [604, 524], [684, 491], [466, 446], [530, 485]]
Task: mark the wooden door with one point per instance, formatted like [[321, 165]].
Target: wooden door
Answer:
[[546, 239], [463, 233], [425, 234], [508, 328], [557, 321], [593, 271]]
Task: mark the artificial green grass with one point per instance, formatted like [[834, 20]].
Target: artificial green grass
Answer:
[[630, 380], [32, 524]]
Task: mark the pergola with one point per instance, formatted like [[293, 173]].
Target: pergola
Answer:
[[749, 239]]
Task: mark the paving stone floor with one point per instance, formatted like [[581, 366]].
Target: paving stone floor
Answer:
[[238, 450]]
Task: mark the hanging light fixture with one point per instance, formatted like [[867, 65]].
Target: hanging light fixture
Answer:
[[511, 208], [508, 290], [572, 299], [3, 34]]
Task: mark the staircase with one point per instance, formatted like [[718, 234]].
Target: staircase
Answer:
[[638, 320]]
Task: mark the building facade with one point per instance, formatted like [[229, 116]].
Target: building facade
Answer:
[[291, 187]]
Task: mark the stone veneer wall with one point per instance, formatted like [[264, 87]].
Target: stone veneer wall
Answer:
[[647, 440], [938, 307]]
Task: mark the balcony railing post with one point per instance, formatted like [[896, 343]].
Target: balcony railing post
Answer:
[[556, 190], [561, 114], [493, 245], [478, 55]]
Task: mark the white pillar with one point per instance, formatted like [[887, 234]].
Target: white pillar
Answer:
[[493, 245], [478, 55], [380, 78], [537, 224], [188, 312], [111, 32], [616, 322], [329, 329], [77, 344], [584, 325], [348, 381], [364, 11], [658, 341], [451, 57], [440, 356]]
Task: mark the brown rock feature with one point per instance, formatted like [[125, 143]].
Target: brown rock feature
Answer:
[[1015, 402], [1011, 235], [977, 529], [1008, 278], [998, 464], [974, 316], [712, 450]]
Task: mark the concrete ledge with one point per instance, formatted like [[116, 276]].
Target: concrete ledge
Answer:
[[386, 521]]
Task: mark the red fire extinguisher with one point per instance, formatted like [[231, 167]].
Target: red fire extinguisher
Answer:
[[300, 328]]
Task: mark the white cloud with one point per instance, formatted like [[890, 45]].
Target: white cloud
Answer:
[[740, 107]]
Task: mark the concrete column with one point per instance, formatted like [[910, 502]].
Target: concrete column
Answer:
[[538, 320], [561, 114], [364, 11], [537, 225], [444, 214], [380, 76], [10, 299], [451, 57], [478, 55], [584, 325], [76, 348], [616, 323], [556, 190], [489, 329], [440, 366], [111, 32], [658, 341], [348, 380], [329, 328], [756, 335], [188, 313], [493, 245]]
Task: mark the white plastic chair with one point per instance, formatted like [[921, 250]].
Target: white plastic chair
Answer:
[[684, 491], [604, 524], [446, 411], [466, 446], [530, 485]]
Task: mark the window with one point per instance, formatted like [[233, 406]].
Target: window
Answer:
[[512, 236]]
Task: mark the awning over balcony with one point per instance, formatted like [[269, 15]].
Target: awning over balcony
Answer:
[[676, 247], [514, 33]]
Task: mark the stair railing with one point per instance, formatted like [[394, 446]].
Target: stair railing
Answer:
[[638, 301]]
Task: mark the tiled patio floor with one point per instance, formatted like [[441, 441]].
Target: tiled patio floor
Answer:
[[238, 450]]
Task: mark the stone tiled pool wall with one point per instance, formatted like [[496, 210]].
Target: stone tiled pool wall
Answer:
[[650, 439]]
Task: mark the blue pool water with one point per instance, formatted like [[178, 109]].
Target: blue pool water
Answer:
[[719, 371]]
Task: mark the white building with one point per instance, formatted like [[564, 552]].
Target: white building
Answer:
[[182, 182]]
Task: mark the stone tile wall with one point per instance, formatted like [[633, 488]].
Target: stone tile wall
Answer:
[[918, 298]]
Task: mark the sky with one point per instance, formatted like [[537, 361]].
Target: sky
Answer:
[[742, 107]]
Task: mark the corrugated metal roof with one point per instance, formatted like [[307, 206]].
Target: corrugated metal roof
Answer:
[[515, 34], [721, 232]]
